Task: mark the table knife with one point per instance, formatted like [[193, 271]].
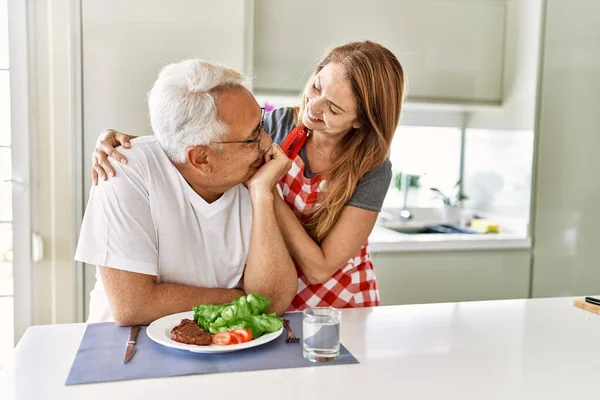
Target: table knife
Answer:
[[130, 349]]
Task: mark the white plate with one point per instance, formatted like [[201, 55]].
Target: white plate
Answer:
[[160, 332]]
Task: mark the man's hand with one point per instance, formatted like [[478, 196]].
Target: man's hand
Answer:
[[277, 164]]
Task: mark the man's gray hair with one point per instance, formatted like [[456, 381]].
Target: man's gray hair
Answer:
[[182, 105]]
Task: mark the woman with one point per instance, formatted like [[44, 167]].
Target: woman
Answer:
[[338, 141]]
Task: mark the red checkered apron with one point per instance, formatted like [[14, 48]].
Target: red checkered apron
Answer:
[[354, 284]]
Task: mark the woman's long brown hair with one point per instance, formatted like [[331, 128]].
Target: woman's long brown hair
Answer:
[[377, 81]]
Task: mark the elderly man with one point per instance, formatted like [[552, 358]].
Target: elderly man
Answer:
[[190, 218]]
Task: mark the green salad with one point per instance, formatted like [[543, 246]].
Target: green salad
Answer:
[[244, 312]]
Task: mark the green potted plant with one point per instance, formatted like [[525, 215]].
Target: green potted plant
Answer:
[[453, 200], [452, 204]]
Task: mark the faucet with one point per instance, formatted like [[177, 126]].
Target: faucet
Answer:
[[405, 213]]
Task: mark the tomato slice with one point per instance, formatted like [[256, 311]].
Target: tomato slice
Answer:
[[244, 333], [235, 338], [222, 339]]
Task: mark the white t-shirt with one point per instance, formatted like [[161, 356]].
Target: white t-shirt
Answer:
[[147, 219]]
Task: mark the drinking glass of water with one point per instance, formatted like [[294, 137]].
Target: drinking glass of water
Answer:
[[321, 333]]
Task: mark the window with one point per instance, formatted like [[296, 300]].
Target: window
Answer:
[[498, 171], [6, 241], [433, 154]]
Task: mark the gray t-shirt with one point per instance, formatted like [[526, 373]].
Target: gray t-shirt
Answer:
[[371, 188]]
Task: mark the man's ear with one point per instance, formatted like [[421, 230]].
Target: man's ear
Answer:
[[198, 157]]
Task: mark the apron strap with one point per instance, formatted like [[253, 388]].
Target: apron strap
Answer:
[[294, 141]]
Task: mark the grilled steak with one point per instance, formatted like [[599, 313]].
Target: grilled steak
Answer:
[[189, 332]]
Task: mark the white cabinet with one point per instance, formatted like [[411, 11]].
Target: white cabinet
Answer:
[[432, 277], [126, 43], [567, 188], [452, 50]]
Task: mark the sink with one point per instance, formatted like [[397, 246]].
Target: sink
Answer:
[[435, 229], [423, 220]]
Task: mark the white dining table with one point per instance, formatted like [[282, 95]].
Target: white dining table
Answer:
[[507, 349]]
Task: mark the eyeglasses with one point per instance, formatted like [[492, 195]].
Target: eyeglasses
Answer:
[[258, 136]]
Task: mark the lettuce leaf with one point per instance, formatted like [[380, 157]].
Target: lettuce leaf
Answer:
[[257, 324], [244, 312], [207, 313]]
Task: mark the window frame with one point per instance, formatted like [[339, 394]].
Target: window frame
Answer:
[[20, 17]]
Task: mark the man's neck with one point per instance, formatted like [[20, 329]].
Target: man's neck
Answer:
[[208, 195]]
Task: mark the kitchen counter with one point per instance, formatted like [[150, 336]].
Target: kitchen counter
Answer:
[[384, 240], [536, 349]]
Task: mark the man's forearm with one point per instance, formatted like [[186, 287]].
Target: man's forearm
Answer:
[[136, 299], [270, 270]]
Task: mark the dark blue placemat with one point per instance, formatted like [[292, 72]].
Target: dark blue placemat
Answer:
[[100, 356]]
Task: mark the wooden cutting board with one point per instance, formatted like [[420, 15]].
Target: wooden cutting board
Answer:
[[581, 303]]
